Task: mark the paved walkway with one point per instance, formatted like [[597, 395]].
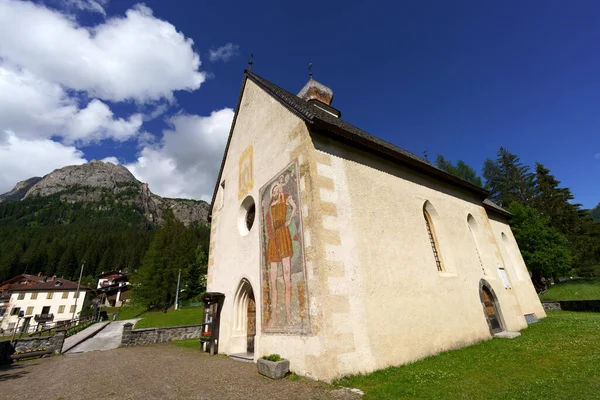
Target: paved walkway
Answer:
[[107, 339], [162, 371], [78, 337]]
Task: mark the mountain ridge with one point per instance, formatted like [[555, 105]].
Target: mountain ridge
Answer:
[[99, 183]]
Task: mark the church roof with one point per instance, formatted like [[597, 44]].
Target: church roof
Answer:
[[325, 122]]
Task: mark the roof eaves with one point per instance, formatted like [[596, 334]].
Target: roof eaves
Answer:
[[364, 139], [491, 206]]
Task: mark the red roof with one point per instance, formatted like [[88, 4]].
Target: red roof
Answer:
[[56, 284]]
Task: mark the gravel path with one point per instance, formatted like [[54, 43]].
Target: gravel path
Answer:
[[163, 371]]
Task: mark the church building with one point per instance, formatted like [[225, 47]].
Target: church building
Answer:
[[346, 254]]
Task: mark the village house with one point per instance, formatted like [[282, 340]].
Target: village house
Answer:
[[344, 253], [43, 300], [113, 288]]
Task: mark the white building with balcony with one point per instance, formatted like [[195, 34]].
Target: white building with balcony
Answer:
[[43, 304]]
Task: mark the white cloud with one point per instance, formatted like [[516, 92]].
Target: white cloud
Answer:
[[96, 6], [33, 108], [22, 159], [187, 160], [224, 53], [113, 160], [96, 122], [138, 56]]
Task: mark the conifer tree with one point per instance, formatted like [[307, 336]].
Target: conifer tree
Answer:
[[461, 170], [508, 179], [554, 202]]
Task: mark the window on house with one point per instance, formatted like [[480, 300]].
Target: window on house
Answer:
[[15, 311], [49, 295], [29, 311], [220, 200], [504, 277], [65, 295], [72, 309], [433, 240], [33, 296], [472, 224], [61, 309], [21, 296]]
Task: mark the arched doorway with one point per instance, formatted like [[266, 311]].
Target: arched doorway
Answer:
[[491, 308], [251, 324], [244, 325]]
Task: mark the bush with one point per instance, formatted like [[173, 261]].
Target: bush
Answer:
[[272, 357]]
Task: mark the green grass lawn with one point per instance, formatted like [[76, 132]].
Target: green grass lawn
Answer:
[[557, 358], [158, 319], [188, 344], [588, 289]]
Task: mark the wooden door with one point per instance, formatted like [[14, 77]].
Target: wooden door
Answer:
[[25, 326], [251, 327], [491, 313]]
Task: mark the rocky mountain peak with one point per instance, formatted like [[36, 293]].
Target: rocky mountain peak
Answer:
[[93, 174], [96, 182]]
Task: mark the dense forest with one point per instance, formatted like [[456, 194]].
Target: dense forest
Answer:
[[53, 237], [556, 236]]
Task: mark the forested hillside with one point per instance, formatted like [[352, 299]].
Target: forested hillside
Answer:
[[98, 213], [47, 235], [595, 213]]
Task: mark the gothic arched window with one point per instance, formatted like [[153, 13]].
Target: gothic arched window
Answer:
[[432, 238]]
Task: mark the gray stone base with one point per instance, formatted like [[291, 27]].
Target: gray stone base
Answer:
[[273, 369], [507, 335]]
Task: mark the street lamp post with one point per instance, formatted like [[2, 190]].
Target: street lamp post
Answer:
[[77, 293]]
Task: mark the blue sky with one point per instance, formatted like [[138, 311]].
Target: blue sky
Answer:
[[456, 78]]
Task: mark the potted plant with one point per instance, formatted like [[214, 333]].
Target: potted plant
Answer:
[[206, 335], [273, 366]]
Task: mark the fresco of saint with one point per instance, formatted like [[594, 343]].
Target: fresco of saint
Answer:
[[283, 261]]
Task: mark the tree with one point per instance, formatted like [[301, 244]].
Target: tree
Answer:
[[196, 273], [461, 170], [508, 179], [554, 202], [544, 249], [172, 249]]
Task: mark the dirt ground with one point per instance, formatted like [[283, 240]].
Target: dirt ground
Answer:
[[162, 371]]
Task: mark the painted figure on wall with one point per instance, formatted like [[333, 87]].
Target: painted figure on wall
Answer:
[[246, 181], [283, 275]]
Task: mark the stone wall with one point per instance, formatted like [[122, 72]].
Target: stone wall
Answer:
[[551, 305], [54, 342], [573, 305], [138, 337]]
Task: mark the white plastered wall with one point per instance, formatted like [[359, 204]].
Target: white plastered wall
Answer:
[[39, 303], [410, 309]]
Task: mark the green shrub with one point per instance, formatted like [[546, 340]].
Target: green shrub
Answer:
[[273, 357]]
